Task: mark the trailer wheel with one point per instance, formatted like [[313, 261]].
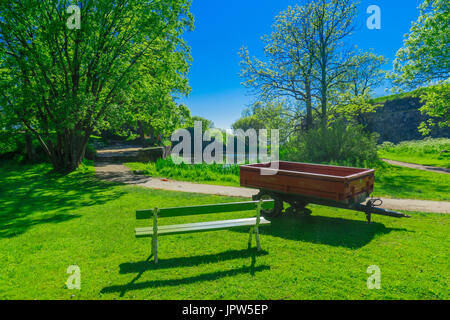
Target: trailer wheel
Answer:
[[278, 204]]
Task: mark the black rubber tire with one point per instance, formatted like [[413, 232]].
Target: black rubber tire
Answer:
[[278, 204]]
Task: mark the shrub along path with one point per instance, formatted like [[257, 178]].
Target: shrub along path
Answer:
[[417, 166], [120, 173]]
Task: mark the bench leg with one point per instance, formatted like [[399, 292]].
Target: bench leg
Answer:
[[155, 249], [250, 237], [258, 245], [155, 235]]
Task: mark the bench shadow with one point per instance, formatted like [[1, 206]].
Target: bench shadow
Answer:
[[136, 267], [352, 234], [142, 266]]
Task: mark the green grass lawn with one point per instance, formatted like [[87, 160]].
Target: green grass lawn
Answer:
[[49, 222], [426, 152], [406, 183], [390, 181]]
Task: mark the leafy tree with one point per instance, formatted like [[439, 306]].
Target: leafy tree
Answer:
[[248, 122], [306, 56], [352, 101], [275, 114], [436, 101], [352, 107], [155, 110], [290, 53], [424, 60], [63, 84], [333, 22], [206, 124], [365, 73]]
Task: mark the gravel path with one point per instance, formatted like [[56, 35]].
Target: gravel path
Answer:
[[120, 173], [417, 166]]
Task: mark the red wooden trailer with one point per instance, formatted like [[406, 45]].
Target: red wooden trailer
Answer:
[[301, 183]]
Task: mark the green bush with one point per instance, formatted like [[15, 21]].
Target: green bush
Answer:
[[340, 144]]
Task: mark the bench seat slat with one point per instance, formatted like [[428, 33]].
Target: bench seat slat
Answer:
[[197, 227]]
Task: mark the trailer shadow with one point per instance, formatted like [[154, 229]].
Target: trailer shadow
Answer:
[[352, 234]]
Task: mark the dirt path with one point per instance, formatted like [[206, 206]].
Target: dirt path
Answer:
[[417, 166], [120, 173]]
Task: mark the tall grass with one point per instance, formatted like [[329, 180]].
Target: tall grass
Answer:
[[223, 173]]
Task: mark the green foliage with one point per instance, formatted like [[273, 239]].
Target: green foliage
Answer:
[[352, 100], [206, 124], [431, 152], [248, 122], [423, 61], [127, 59], [304, 57], [352, 107], [275, 114], [424, 55], [50, 222], [339, 143], [364, 73], [8, 142], [436, 101], [307, 69]]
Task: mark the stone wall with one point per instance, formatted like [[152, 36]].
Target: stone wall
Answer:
[[399, 119]]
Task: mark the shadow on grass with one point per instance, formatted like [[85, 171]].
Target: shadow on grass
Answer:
[[140, 266], [406, 182], [28, 193], [352, 234], [143, 266]]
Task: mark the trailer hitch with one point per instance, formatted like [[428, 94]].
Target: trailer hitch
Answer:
[[372, 203], [371, 207]]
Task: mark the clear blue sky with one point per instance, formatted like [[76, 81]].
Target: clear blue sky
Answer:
[[223, 27]]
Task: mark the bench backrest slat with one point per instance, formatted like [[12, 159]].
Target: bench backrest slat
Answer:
[[204, 209]]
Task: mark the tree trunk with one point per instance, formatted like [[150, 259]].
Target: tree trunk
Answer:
[[68, 153], [323, 93], [29, 146], [141, 133], [309, 118]]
